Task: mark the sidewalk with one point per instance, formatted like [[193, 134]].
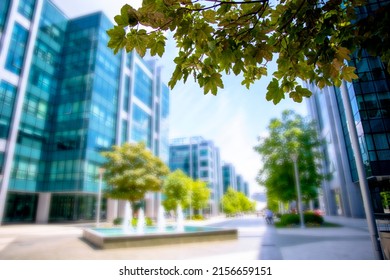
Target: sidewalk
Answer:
[[257, 241], [350, 241]]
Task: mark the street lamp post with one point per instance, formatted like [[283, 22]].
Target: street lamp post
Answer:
[[101, 171], [294, 158], [364, 188]]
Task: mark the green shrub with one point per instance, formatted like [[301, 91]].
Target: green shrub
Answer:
[[197, 217], [148, 221], [310, 218], [289, 219], [118, 221], [313, 218]]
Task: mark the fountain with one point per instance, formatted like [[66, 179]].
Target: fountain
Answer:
[[141, 221], [179, 219], [161, 223], [126, 223], [127, 236]]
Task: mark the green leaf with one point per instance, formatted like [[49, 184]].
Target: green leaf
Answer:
[[343, 54], [348, 73], [117, 39], [123, 19], [238, 66], [337, 82], [303, 91], [138, 40], [296, 96], [212, 83], [274, 93], [157, 44], [176, 75], [321, 83], [209, 15]]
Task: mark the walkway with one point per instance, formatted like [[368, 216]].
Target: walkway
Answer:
[[256, 241]]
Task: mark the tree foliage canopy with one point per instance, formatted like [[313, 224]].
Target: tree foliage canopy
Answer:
[[290, 135], [311, 40], [176, 190], [234, 202], [181, 189], [200, 194], [131, 171]]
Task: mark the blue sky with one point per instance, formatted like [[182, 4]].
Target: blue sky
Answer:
[[233, 119]]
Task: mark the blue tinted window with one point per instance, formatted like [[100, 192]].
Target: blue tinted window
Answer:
[[165, 101], [143, 87], [26, 8], [141, 129], [17, 49], [129, 59], [124, 131], [126, 95], [4, 5], [7, 98]]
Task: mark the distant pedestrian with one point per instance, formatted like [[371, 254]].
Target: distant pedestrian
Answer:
[[269, 216]]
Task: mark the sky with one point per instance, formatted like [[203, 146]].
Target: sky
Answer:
[[233, 119]]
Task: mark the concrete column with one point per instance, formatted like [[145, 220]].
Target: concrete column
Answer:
[[43, 209], [121, 208], [112, 209]]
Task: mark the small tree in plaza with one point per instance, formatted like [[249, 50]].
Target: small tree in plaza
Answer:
[[234, 202], [131, 171], [176, 190], [291, 134], [200, 195], [230, 203], [246, 205]]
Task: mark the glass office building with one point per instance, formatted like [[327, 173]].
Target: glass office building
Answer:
[[369, 97], [242, 185], [229, 177], [65, 98], [199, 159]]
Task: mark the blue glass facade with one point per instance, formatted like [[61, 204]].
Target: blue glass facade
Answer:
[[26, 8], [199, 159], [18, 44], [369, 96], [70, 111], [7, 99], [4, 6], [229, 177], [142, 126], [144, 87]]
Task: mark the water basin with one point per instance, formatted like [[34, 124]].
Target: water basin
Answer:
[[106, 238]]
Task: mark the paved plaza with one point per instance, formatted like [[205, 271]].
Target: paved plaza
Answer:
[[256, 241]]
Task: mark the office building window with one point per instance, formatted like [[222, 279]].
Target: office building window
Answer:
[[26, 8], [143, 89], [142, 126], [4, 5], [124, 131], [7, 98], [17, 49], [126, 95]]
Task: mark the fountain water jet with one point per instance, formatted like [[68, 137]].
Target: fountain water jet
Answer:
[[180, 219], [141, 221], [126, 223], [161, 223]]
